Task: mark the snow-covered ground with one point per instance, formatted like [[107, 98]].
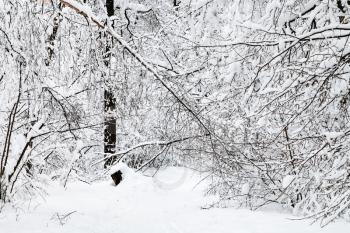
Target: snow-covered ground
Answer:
[[170, 202]]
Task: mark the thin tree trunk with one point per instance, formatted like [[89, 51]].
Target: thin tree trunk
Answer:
[[52, 38], [109, 106]]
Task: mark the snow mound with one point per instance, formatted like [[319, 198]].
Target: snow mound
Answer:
[[131, 180], [123, 168]]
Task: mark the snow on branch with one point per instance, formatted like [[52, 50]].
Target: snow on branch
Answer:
[[310, 6], [122, 153], [86, 12]]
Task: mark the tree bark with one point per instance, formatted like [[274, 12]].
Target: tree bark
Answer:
[[109, 106], [52, 38]]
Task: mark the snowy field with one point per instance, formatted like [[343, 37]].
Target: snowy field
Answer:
[[143, 204]]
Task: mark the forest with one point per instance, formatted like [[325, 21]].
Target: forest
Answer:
[[247, 99]]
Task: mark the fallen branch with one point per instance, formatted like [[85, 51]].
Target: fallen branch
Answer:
[[122, 153], [152, 159], [86, 12]]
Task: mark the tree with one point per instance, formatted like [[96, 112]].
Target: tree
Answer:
[[109, 101], [43, 106]]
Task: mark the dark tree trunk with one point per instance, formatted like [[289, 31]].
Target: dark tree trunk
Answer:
[[176, 3], [109, 106], [52, 38], [110, 7], [110, 127]]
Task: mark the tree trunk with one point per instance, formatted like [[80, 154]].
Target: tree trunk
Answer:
[[109, 106], [52, 38]]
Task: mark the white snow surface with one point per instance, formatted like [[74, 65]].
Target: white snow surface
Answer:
[[170, 202]]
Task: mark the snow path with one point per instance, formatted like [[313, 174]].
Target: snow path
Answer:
[[144, 205]]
